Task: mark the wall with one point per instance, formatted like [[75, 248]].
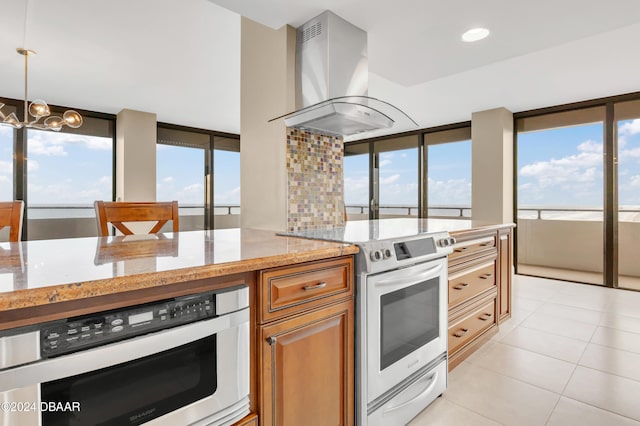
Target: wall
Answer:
[[575, 245], [492, 166], [267, 87]]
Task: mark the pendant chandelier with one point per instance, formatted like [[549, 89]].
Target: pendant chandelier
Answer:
[[38, 109]]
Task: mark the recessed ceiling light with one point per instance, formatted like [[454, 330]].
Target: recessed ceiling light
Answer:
[[475, 34]]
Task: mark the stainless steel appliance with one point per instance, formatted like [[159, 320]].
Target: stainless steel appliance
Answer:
[[401, 315], [332, 79], [181, 361]]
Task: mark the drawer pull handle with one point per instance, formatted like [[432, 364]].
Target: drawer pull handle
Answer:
[[490, 243], [461, 249], [315, 287], [485, 276], [460, 286], [485, 317], [461, 333]]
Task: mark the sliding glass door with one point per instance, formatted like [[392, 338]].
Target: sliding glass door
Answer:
[[560, 195], [627, 126]]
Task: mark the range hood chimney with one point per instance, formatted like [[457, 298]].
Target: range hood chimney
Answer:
[[332, 77]]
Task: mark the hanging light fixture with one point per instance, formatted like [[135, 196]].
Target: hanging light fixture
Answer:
[[38, 109]]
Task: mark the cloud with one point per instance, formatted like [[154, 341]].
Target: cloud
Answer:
[[6, 167], [385, 162], [54, 144], [586, 166], [229, 197], [629, 128], [6, 131], [32, 165], [449, 192], [168, 179], [194, 187], [590, 146], [389, 180]]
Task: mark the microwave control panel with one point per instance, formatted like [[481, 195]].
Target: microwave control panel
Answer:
[[83, 332]]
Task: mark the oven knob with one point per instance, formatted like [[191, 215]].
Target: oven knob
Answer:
[[117, 321], [386, 253], [376, 255]]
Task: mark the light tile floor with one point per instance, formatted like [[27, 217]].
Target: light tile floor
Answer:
[[570, 355]]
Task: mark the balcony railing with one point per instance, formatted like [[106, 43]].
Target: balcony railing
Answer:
[[437, 212], [627, 214]]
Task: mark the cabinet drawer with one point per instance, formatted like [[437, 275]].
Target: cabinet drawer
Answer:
[[292, 289], [469, 282], [472, 325], [466, 248]]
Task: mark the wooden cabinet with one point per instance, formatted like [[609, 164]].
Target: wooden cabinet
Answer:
[[505, 261], [479, 288], [306, 344], [250, 420]]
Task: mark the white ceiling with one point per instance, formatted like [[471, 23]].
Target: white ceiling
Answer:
[[181, 58]]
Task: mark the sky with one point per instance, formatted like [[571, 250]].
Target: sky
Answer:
[[449, 175], [560, 167]]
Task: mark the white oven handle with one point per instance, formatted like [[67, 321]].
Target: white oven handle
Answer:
[[117, 353], [408, 276]]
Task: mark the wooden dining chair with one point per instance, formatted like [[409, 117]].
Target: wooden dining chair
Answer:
[[11, 213], [117, 212]]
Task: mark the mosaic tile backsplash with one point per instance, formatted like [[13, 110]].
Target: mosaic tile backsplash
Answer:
[[315, 181]]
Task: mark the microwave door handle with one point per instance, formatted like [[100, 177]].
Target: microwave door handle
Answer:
[[399, 277], [118, 352]]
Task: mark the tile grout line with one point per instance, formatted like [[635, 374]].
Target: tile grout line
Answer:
[[473, 411]]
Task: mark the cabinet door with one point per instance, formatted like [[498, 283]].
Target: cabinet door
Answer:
[[307, 369], [505, 261]]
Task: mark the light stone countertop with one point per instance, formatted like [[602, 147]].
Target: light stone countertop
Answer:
[[34, 273]]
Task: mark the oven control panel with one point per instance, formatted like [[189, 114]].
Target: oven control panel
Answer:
[[77, 333], [385, 255]]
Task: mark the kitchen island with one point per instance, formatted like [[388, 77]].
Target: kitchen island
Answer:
[[50, 280]]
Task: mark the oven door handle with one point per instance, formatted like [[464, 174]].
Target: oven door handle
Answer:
[[405, 277], [117, 353]]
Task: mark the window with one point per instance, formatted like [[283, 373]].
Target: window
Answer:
[[627, 118], [449, 173], [560, 195], [356, 181], [226, 182], [66, 172], [7, 135], [201, 170], [400, 178], [397, 181]]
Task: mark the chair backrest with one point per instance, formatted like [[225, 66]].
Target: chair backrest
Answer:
[[11, 213], [117, 212]]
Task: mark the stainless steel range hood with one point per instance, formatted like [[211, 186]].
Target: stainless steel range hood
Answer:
[[332, 79]]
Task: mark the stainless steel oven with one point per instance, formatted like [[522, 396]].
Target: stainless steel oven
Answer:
[[401, 326], [405, 336], [182, 361]]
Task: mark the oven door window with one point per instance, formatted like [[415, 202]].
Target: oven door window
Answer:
[[137, 391], [409, 320]]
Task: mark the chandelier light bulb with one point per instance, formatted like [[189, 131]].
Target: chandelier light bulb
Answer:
[[39, 108]]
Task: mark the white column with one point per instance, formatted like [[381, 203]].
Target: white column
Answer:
[[492, 166], [267, 90], [136, 137]]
